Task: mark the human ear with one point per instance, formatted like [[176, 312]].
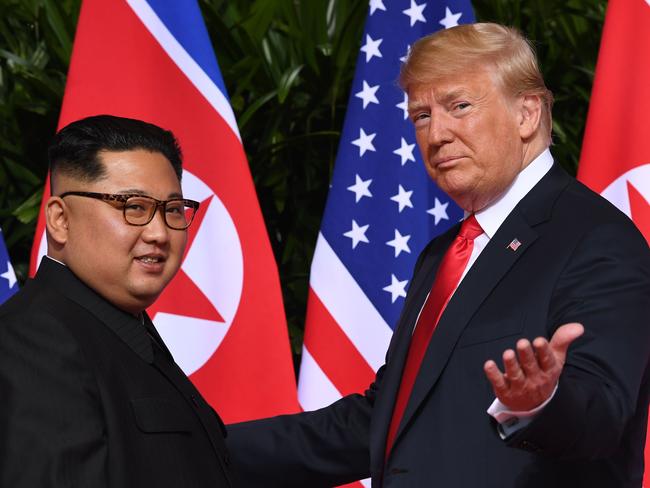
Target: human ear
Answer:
[[56, 220], [530, 115]]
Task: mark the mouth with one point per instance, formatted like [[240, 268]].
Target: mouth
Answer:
[[151, 260], [446, 162]]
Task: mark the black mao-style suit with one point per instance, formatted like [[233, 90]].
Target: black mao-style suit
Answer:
[[91, 397], [581, 260]]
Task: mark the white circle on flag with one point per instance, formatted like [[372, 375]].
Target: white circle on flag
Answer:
[[617, 191], [215, 263]]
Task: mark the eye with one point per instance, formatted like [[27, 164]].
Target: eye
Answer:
[[134, 206], [461, 106], [419, 118], [175, 208]]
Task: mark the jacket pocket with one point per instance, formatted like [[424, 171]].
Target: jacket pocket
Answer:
[[491, 332], [159, 414]]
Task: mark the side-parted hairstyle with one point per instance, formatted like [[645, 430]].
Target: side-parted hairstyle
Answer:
[[451, 52], [75, 149]]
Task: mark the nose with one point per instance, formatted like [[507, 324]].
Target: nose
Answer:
[[156, 230], [439, 132]]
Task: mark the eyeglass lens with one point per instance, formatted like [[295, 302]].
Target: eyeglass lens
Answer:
[[140, 210]]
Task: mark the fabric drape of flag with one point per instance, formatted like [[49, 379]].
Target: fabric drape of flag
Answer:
[[615, 159], [8, 282], [381, 211], [222, 315]]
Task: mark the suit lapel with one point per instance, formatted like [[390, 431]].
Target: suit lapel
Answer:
[[127, 327], [398, 349]]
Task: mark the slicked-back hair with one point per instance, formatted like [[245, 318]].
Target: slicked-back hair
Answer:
[[462, 49], [75, 149]]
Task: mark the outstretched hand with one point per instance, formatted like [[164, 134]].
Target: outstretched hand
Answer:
[[533, 372]]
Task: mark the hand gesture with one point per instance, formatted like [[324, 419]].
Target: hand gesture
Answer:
[[533, 372]]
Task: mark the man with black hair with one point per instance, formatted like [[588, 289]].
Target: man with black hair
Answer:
[[90, 395]]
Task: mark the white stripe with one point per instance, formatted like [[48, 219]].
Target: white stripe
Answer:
[[315, 390], [185, 62], [349, 305]]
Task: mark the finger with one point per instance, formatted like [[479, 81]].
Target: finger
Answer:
[[545, 355], [495, 377], [563, 337], [513, 372], [527, 358]]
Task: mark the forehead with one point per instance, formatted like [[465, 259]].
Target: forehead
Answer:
[[472, 83], [147, 171]]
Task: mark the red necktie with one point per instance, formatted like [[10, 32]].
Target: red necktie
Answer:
[[449, 272]]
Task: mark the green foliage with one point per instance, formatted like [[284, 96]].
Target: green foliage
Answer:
[[35, 45], [288, 66], [566, 35]]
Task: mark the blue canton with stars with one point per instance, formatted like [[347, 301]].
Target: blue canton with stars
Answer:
[[382, 208], [8, 283]]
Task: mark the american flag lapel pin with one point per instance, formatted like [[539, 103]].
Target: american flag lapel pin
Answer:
[[514, 245]]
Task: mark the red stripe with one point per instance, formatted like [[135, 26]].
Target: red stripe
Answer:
[[333, 350]]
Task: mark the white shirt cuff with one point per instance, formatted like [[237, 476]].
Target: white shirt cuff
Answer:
[[511, 421]]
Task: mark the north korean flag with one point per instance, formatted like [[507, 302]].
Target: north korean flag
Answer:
[[222, 315], [615, 159]]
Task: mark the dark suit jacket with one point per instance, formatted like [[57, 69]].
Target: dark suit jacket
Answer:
[[87, 400], [580, 260]]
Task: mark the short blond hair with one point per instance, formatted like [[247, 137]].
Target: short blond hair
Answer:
[[449, 52]]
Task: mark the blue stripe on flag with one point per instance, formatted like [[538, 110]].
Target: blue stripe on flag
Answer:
[[184, 20], [8, 282]]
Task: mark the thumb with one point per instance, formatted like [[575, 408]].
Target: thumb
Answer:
[[563, 337]]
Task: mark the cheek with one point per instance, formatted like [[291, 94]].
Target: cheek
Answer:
[[177, 246]]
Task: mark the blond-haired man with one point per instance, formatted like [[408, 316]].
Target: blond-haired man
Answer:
[[543, 276]]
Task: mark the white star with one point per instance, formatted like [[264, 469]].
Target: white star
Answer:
[[360, 188], [371, 48], [368, 94], [357, 234], [396, 288], [415, 12], [405, 152], [400, 243], [408, 51], [364, 142], [439, 211], [404, 105], [9, 275], [450, 20], [403, 198], [376, 5]]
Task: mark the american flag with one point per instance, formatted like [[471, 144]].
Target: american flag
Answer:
[[381, 211], [8, 282]]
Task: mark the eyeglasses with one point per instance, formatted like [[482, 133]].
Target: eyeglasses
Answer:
[[178, 213]]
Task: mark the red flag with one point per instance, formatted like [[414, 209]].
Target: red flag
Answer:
[[222, 315], [615, 158]]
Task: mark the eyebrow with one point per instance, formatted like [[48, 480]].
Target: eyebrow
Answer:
[[135, 191], [444, 99]]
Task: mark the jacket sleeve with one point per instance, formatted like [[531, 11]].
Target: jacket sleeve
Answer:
[[602, 394], [323, 448], [51, 422]]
